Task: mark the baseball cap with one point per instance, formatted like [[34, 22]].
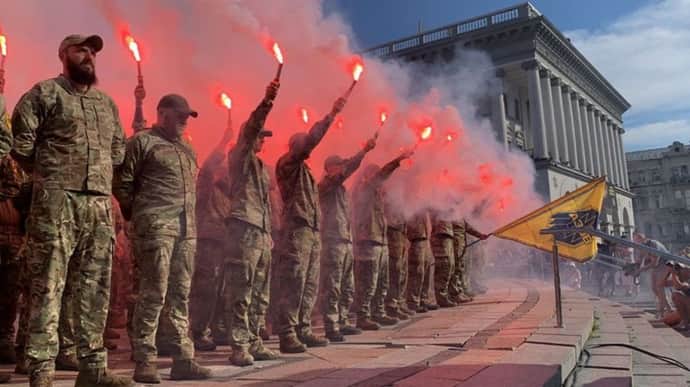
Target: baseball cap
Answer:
[[177, 102], [333, 161], [93, 41]]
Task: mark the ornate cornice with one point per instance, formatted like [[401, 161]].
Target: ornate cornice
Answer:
[[553, 46]]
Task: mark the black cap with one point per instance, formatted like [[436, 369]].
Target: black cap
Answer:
[[93, 41], [177, 102]]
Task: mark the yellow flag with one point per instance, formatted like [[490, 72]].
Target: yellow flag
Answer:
[[578, 209]]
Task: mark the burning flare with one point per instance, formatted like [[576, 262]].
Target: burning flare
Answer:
[[133, 47], [383, 117], [357, 71], [305, 115], [425, 134], [3, 45], [277, 53], [226, 101]]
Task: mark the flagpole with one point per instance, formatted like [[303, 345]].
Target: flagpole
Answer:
[[557, 285]]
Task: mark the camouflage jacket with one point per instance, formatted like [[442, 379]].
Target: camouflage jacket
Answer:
[[70, 140], [459, 233], [212, 204], [249, 182], [417, 228], [157, 185], [296, 182], [334, 203], [5, 130], [15, 185], [369, 212], [441, 227]]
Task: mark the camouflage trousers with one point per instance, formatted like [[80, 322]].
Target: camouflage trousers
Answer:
[[337, 283], [247, 273], [444, 265], [457, 284], [418, 269], [11, 242], [298, 272], [397, 269], [371, 279], [164, 266], [67, 323], [206, 302], [70, 239], [121, 282]]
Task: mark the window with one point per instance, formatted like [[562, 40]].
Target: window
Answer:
[[686, 228], [660, 230], [684, 170], [679, 195], [658, 201], [687, 199]]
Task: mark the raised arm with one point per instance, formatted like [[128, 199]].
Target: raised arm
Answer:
[[249, 132], [388, 169], [139, 122], [317, 132]]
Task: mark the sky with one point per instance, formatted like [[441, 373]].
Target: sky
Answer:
[[641, 46]]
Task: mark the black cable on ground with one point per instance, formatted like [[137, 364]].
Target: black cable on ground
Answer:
[[585, 351]]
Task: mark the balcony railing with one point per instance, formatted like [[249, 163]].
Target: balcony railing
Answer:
[[520, 12]]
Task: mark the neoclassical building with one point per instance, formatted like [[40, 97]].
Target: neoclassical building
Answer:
[[549, 100]]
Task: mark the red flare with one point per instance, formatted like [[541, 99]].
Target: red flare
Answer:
[[277, 53], [3, 45], [304, 114], [425, 133], [383, 117], [225, 101], [133, 47], [357, 72]]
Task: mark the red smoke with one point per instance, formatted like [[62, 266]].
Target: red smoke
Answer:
[[192, 48]]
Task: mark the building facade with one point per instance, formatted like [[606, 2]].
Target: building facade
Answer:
[[660, 180], [549, 102]]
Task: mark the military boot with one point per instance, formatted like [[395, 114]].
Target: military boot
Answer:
[[101, 378], [310, 340], [430, 306], [146, 372], [204, 344], [367, 324], [444, 302], [66, 362], [41, 379], [7, 354], [290, 344], [396, 313], [260, 352], [333, 335], [385, 320], [348, 330], [406, 310], [189, 369], [241, 357]]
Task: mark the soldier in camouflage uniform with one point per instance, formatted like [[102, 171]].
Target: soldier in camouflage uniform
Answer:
[[396, 305], [371, 264], [459, 287], [212, 208], [419, 264], [444, 257], [248, 261], [156, 190], [298, 267], [337, 260], [70, 223]]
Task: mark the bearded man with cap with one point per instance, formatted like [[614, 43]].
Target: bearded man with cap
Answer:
[[298, 266], [157, 193], [248, 260], [68, 135], [337, 260]]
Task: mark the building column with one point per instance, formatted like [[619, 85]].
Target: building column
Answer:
[[600, 142], [537, 124], [559, 116], [570, 126], [614, 153], [579, 154], [499, 110], [591, 123], [621, 155], [547, 100], [605, 146], [624, 161], [587, 139]]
